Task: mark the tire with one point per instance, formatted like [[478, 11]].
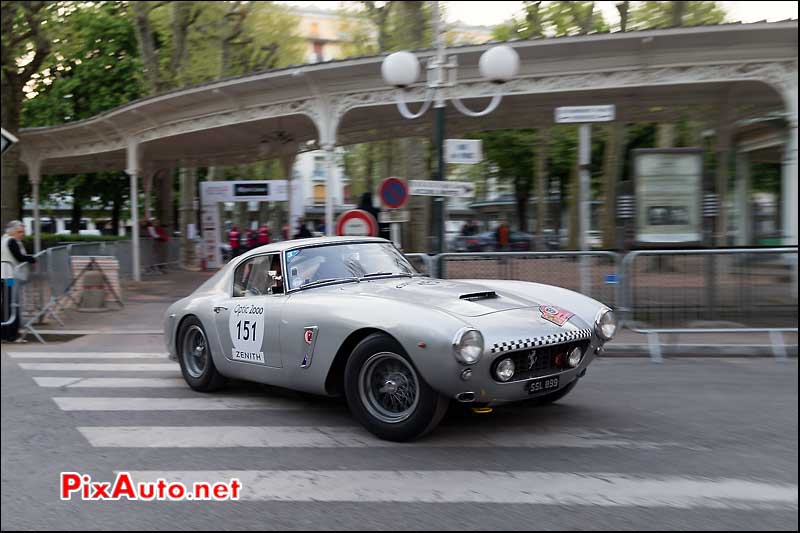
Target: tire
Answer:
[[199, 372], [553, 397], [402, 409]]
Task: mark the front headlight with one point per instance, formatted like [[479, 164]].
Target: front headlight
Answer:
[[468, 346], [606, 325]]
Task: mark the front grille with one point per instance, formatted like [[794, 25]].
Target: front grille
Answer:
[[540, 361]]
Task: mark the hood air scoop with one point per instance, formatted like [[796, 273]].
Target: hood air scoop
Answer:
[[477, 296]]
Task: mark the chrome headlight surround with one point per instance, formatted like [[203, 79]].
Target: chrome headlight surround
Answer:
[[468, 346], [605, 324]]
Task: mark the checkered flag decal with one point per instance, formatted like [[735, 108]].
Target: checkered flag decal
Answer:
[[556, 338]]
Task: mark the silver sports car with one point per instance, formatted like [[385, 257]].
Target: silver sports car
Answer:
[[350, 316]]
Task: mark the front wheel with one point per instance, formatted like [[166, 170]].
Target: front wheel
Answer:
[[194, 356], [387, 395]]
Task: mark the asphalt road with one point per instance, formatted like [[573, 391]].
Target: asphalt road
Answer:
[[688, 444]]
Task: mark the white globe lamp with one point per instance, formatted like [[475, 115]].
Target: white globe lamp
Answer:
[[400, 69], [499, 63]]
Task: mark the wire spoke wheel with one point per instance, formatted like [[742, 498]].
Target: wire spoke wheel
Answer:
[[388, 387]]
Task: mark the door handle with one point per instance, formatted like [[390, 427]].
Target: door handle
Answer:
[[218, 308]]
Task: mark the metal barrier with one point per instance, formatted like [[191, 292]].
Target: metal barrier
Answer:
[[421, 262], [593, 273], [711, 291]]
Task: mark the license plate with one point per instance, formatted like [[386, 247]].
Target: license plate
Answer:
[[541, 385]]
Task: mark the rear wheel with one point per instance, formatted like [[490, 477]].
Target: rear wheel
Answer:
[[387, 395], [194, 357]]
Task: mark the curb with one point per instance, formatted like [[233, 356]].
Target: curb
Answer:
[[698, 350]]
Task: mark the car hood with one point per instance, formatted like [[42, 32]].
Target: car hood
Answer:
[[466, 299]]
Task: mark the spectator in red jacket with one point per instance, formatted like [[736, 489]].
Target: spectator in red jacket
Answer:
[[263, 235], [233, 241]]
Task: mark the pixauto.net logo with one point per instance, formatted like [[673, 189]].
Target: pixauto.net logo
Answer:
[[81, 486]]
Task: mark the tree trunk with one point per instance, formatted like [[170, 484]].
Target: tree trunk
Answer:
[[147, 49], [522, 197], [116, 210], [10, 205], [540, 157], [612, 171], [188, 182], [573, 206], [77, 211], [678, 10]]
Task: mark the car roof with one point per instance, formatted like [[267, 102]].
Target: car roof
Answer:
[[305, 243]]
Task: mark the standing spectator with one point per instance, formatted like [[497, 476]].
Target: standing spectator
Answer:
[[503, 236], [233, 241], [263, 235], [249, 239], [15, 259], [161, 240], [285, 232], [302, 230]]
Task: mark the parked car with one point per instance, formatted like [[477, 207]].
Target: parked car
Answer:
[[487, 242], [350, 316]]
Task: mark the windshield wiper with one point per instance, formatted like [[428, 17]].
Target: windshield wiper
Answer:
[[386, 274], [326, 280]]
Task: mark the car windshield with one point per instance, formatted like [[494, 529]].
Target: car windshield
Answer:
[[342, 262]]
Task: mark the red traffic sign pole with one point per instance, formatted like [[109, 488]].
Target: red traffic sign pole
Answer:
[[357, 222], [393, 193]]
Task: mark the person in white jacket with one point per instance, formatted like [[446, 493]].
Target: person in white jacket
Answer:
[[14, 264]]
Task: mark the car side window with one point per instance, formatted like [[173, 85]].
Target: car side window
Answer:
[[252, 277]]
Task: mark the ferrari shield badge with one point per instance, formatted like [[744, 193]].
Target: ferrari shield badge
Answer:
[[554, 314]]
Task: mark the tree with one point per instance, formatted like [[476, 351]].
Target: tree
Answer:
[[650, 15], [25, 46], [94, 67]]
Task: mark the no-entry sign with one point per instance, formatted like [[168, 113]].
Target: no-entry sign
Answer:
[[357, 223], [393, 193]]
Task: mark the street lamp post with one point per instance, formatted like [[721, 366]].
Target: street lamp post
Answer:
[[401, 69]]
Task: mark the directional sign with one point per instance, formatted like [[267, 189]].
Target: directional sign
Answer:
[[585, 113], [392, 216], [357, 222], [464, 151], [7, 139], [393, 193], [459, 189]]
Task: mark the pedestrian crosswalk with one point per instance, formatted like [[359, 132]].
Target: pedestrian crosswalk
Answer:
[[85, 386]]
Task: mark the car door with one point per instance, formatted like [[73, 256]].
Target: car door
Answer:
[[248, 320]]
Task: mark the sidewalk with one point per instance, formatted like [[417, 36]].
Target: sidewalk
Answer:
[[146, 302]]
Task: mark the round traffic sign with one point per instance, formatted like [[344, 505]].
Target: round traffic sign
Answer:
[[393, 193], [358, 223]]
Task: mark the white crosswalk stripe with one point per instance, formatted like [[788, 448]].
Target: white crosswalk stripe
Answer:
[[223, 403], [86, 355], [107, 367], [342, 437], [460, 486], [110, 383]]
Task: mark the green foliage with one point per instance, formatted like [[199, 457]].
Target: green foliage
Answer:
[[646, 15], [552, 19], [93, 66], [50, 240]]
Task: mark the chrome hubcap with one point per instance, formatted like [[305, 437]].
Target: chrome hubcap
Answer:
[[195, 351], [388, 387]]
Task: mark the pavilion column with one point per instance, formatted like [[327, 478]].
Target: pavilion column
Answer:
[[34, 176], [133, 169], [743, 213], [330, 187], [295, 202]]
